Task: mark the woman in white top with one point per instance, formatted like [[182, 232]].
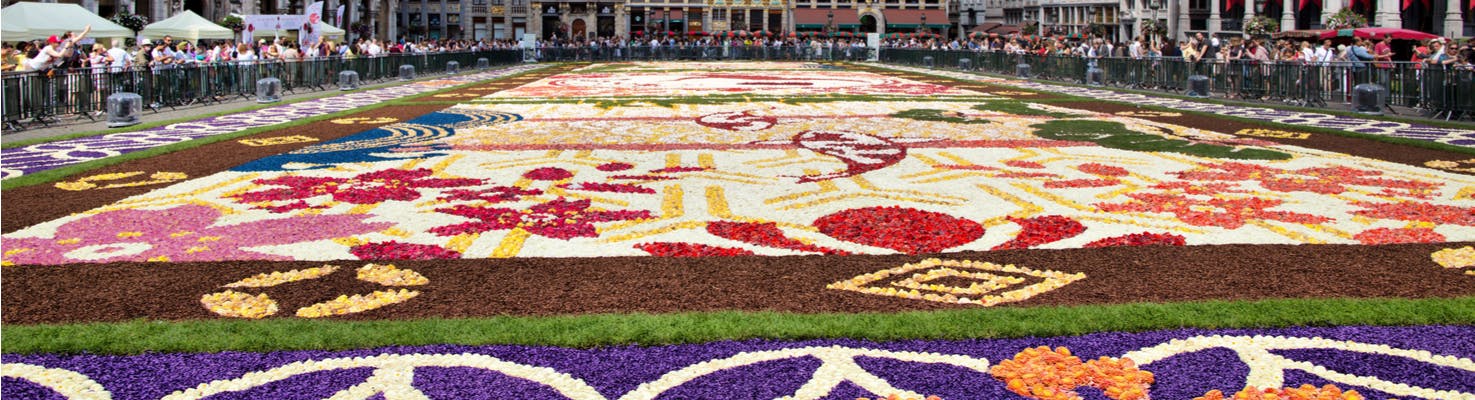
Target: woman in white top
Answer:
[[55, 50]]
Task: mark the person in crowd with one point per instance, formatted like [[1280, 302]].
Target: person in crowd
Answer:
[[55, 53], [1383, 52], [13, 57], [121, 60], [1438, 57]]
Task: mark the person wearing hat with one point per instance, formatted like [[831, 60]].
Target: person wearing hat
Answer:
[[55, 51], [142, 56]]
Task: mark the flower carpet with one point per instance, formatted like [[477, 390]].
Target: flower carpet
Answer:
[[626, 194], [40, 157], [1462, 137]]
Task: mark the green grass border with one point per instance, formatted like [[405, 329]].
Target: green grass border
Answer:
[[53, 175], [1068, 98], [584, 331], [1287, 107]]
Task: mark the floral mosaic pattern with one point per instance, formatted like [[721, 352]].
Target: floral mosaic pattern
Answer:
[[1459, 137], [719, 81], [18, 161], [1424, 362], [539, 178]]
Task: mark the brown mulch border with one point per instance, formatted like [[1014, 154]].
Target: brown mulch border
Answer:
[[1360, 147], [549, 286]]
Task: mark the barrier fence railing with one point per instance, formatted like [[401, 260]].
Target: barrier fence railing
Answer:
[[1434, 91], [701, 53], [35, 98]]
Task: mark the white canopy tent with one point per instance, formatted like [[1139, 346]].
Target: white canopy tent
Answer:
[[187, 25], [328, 31], [32, 21]]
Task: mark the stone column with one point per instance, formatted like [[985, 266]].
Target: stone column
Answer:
[[1179, 14], [1330, 8], [622, 22], [1288, 15], [1453, 26], [1387, 14], [534, 20], [1215, 23]]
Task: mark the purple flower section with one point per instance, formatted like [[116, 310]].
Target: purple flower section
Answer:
[[615, 371], [322, 382], [14, 388], [18, 161], [471, 383]]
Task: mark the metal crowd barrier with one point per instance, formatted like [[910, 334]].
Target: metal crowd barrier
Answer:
[[1431, 90], [702, 53], [36, 98]]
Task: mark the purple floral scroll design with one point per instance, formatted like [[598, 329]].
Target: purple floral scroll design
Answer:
[[1405, 362], [23, 160]]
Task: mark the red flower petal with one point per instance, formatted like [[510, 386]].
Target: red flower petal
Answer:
[[670, 249], [1040, 230], [906, 230]]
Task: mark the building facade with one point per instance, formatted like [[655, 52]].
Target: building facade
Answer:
[[1115, 19]]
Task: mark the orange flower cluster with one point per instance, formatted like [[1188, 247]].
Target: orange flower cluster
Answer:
[[1045, 374], [1305, 392]]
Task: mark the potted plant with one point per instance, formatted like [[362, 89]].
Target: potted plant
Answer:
[[1030, 28], [1154, 28], [233, 22], [133, 22], [1347, 18], [1261, 25]]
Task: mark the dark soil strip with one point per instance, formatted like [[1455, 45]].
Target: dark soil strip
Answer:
[[35, 204], [1360, 147], [473, 288]]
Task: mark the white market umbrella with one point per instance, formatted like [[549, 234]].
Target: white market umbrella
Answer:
[[187, 25], [33, 21]]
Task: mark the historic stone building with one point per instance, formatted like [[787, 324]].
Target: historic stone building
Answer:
[[1117, 19]]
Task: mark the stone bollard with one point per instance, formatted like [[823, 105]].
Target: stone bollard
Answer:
[[124, 109], [1198, 86], [1368, 98], [1093, 76], [965, 64], [268, 90], [927, 61], [348, 80], [406, 72], [483, 63], [1022, 70], [453, 67]]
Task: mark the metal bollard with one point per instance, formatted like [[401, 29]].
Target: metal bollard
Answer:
[[1198, 86], [965, 64], [268, 90], [483, 63], [406, 72], [348, 80], [1368, 98], [124, 109], [453, 67], [927, 61]]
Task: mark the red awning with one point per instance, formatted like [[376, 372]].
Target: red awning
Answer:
[[820, 16], [914, 17], [983, 27]]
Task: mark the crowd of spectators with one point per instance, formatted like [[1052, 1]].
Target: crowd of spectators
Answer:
[[1195, 48]]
